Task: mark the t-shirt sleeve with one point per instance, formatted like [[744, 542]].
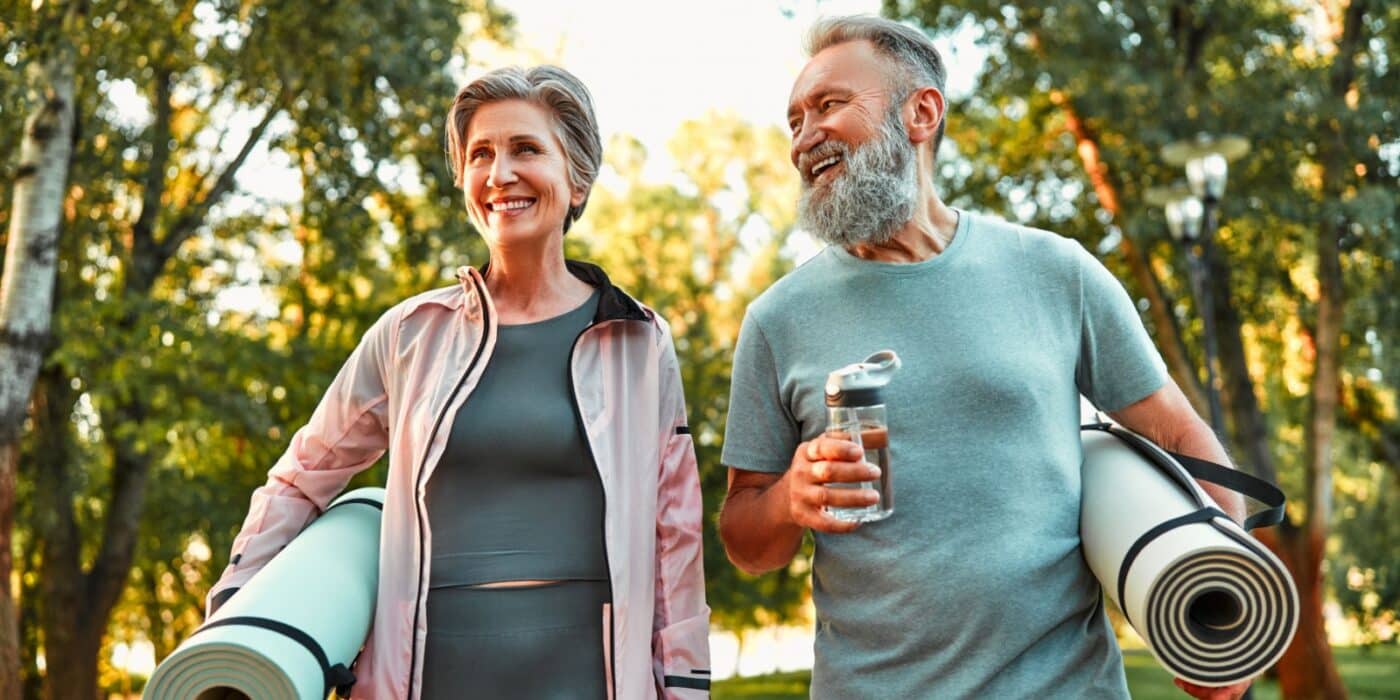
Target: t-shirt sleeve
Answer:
[[1118, 364], [760, 433]]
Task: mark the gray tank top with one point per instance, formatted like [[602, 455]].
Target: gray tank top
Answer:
[[516, 495]]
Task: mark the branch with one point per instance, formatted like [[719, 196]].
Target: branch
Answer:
[[143, 246], [1344, 66], [190, 220], [130, 470]]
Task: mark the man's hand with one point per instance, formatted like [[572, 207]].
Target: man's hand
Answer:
[[815, 465], [1229, 692]]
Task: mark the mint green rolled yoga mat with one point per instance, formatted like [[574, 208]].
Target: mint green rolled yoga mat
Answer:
[[292, 630]]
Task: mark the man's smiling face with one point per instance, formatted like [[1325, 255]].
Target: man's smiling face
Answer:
[[838, 103]]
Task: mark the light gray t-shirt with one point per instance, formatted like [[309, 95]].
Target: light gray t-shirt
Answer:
[[976, 586]]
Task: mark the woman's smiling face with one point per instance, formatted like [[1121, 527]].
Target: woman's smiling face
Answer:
[[516, 177]]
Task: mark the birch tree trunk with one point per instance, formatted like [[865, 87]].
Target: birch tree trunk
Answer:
[[26, 300]]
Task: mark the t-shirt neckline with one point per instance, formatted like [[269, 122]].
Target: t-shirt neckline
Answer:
[[960, 236]]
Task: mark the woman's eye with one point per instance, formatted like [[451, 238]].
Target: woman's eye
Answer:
[[527, 148], [478, 154]]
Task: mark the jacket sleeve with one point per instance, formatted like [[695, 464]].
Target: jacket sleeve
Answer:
[[347, 432], [681, 626]]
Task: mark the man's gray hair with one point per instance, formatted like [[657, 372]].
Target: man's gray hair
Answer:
[[912, 57], [551, 87]]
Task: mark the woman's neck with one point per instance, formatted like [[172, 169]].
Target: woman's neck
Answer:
[[532, 285]]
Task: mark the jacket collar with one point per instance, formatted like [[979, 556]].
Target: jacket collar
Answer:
[[613, 303]]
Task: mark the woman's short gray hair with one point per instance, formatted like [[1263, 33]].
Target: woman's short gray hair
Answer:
[[551, 87], [912, 57]]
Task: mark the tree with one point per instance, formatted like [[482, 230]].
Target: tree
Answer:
[[162, 385], [1078, 99], [26, 287]]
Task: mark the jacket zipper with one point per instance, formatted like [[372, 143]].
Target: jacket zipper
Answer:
[[607, 564], [419, 482]]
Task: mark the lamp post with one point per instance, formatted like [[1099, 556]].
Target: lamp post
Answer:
[[1192, 219], [1185, 216]]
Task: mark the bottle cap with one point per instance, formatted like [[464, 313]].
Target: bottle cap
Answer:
[[859, 384]]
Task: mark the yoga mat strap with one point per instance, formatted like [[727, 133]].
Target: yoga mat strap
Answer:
[[361, 501], [338, 677], [1239, 482], [1235, 480], [1203, 515]]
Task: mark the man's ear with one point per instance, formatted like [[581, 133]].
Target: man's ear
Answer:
[[924, 109]]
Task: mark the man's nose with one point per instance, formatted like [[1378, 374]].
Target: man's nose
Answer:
[[808, 135]]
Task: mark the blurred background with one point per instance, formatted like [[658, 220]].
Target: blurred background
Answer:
[[204, 203]]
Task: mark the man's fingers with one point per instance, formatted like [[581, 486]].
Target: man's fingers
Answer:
[[843, 472], [830, 448], [1229, 692], [849, 498], [826, 523]]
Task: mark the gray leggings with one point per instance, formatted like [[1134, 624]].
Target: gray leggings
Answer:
[[539, 642]]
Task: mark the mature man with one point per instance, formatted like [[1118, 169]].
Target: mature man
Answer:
[[976, 586]]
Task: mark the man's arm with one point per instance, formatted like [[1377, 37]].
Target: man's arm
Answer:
[[1167, 418], [764, 514]]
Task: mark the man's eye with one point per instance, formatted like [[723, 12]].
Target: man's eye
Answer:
[[828, 104]]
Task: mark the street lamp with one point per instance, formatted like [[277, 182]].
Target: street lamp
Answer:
[[1185, 214], [1192, 222]]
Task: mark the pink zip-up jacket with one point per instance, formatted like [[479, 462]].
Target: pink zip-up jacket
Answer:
[[412, 371]]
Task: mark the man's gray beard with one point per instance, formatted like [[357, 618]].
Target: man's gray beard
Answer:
[[872, 199]]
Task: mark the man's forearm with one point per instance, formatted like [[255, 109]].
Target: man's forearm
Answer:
[[1198, 441], [758, 534]]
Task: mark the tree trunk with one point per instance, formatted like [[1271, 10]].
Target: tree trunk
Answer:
[[26, 304], [1159, 311], [1307, 669]]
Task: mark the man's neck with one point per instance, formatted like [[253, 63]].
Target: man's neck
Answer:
[[926, 234]]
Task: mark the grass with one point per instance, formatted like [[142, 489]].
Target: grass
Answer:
[[1368, 673]]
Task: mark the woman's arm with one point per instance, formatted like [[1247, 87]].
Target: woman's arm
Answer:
[[346, 434]]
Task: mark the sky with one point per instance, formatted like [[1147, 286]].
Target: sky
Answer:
[[653, 64]]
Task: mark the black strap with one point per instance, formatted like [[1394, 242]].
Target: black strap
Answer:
[[338, 676], [1162, 528], [1240, 482], [348, 501], [685, 682]]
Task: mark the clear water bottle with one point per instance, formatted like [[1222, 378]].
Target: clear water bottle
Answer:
[[855, 411]]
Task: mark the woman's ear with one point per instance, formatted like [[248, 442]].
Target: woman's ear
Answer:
[[926, 109]]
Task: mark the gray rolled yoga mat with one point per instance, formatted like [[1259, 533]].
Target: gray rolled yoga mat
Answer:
[[297, 624], [1213, 605]]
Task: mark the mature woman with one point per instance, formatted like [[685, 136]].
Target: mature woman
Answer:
[[541, 531]]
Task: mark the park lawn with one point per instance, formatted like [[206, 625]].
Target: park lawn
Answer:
[[1369, 674]]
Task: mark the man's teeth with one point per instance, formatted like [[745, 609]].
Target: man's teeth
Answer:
[[824, 164], [507, 206]]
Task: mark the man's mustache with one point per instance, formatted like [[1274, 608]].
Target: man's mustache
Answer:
[[817, 154]]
